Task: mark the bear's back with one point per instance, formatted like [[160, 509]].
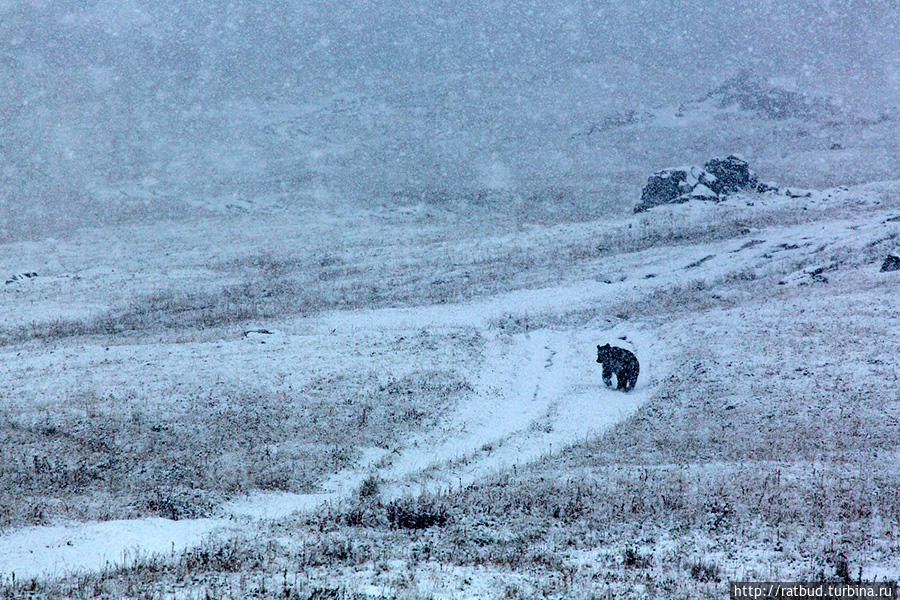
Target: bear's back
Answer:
[[620, 357]]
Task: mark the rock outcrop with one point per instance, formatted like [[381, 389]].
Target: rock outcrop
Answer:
[[752, 93], [715, 180]]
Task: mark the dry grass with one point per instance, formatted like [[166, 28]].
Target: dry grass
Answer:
[[126, 456], [766, 453], [440, 270]]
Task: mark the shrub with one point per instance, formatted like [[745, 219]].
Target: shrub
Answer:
[[705, 572], [416, 514]]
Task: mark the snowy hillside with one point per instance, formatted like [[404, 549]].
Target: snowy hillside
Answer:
[[310, 395]]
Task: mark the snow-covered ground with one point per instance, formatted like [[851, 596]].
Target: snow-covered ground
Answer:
[[531, 390]]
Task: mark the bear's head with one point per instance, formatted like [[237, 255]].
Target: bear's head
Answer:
[[603, 353]]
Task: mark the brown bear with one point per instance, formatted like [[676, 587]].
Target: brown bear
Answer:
[[620, 361]]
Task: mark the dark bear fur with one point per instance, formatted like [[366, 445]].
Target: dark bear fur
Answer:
[[621, 362]]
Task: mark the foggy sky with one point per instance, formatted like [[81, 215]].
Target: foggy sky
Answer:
[[120, 89]]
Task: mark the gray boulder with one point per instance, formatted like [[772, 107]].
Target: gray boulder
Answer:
[[716, 179]]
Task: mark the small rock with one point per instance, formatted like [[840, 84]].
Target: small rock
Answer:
[[20, 277], [891, 263], [257, 331]]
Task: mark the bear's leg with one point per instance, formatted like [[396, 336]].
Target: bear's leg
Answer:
[[607, 376], [630, 383], [621, 379]]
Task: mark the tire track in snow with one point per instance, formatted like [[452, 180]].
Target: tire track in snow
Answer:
[[531, 400]]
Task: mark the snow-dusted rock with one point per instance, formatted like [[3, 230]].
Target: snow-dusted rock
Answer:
[[797, 193], [261, 335], [702, 192], [663, 187], [891, 263], [21, 277], [750, 92], [731, 174], [717, 178]]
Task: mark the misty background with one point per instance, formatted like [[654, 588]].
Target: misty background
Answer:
[[114, 109]]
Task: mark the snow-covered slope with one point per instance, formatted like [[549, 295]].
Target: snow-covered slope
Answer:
[[478, 382]]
